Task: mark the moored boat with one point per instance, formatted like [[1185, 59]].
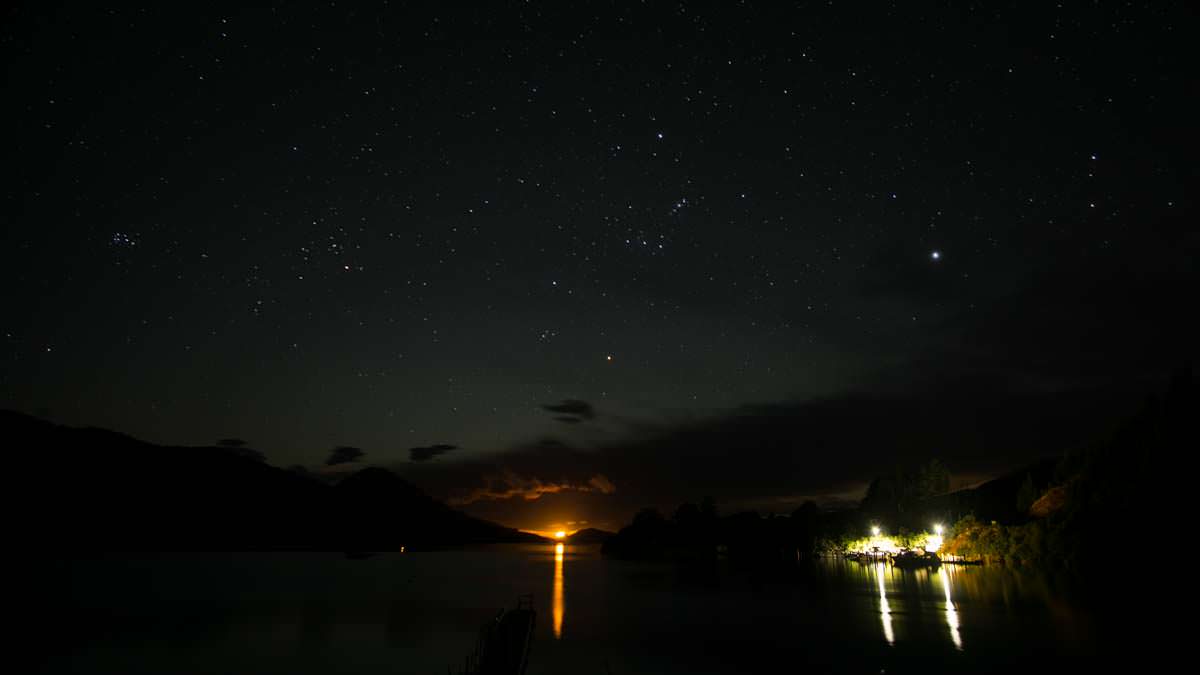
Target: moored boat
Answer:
[[915, 559]]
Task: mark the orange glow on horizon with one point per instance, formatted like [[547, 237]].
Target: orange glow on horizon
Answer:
[[553, 532]]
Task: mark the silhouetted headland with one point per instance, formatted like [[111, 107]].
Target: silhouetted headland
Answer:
[[1069, 513], [98, 490], [589, 535]]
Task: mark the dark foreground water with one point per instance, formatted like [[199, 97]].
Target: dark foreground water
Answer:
[[420, 612]]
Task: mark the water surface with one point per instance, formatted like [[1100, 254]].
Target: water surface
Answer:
[[420, 613]]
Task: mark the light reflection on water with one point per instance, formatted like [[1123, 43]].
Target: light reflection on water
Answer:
[[913, 588], [558, 590], [885, 611], [321, 613], [882, 574], [951, 611], [916, 589]]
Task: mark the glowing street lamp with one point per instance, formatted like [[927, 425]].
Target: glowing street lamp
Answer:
[[934, 544], [876, 543]]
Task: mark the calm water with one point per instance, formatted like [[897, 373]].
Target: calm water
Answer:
[[420, 612]]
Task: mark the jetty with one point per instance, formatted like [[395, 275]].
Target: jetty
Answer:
[[502, 647]]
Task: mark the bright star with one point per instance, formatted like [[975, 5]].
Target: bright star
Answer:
[[936, 255]]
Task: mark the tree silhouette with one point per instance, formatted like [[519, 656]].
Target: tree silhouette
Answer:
[[899, 490], [687, 515], [648, 517], [1027, 495]]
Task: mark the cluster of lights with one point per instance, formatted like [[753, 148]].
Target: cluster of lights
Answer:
[[879, 542]]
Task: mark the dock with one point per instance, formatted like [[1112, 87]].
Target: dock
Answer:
[[502, 647]]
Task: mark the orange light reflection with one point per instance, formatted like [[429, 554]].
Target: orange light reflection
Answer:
[[558, 590]]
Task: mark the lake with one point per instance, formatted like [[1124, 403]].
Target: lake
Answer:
[[420, 613]]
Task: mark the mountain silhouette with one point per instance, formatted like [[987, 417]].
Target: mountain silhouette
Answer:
[[589, 535], [99, 490], [382, 511]]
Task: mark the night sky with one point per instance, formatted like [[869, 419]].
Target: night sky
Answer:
[[604, 254]]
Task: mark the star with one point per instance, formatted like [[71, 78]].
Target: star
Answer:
[[935, 255]]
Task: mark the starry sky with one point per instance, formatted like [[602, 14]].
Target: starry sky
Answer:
[[537, 256]]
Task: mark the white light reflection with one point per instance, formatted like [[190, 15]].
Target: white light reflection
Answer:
[[951, 612], [885, 611], [558, 590]]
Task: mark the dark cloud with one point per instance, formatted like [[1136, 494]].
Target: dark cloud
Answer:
[[1061, 320], [510, 485], [774, 457], [244, 452], [568, 420], [428, 453], [238, 448], [344, 454], [576, 410]]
